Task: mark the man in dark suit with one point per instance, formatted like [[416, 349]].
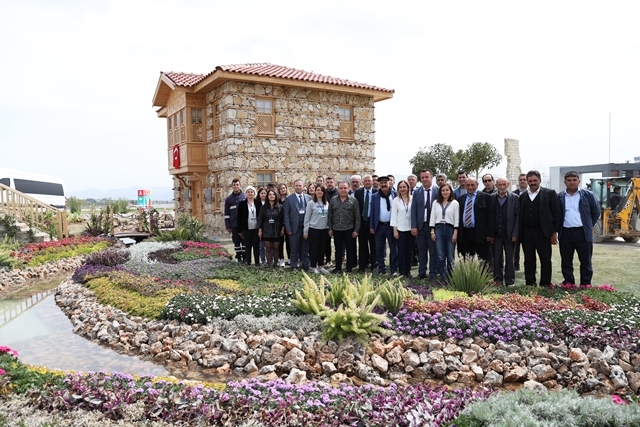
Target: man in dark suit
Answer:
[[366, 240], [421, 203], [380, 226], [540, 222], [522, 188], [475, 221], [295, 206], [580, 211], [506, 231]]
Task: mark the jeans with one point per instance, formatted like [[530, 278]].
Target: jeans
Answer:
[[445, 248], [384, 235]]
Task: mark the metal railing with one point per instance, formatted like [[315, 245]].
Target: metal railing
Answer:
[[9, 310], [32, 211]]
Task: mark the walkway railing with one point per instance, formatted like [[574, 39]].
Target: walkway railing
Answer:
[[33, 212], [9, 309]]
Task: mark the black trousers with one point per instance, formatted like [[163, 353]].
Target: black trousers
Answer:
[[468, 245], [318, 243], [251, 243], [343, 239], [533, 241], [574, 240], [366, 247]]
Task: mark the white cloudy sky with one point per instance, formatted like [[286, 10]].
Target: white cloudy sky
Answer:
[[77, 77]]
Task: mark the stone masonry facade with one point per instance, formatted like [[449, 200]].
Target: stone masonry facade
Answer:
[[305, 142]]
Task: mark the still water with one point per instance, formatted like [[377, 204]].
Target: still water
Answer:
[[35, 327]]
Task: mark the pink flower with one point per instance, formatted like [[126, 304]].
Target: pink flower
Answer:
[[5, 349], [618, 400], [2, 372]]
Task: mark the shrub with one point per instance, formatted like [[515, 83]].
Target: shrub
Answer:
[[541, 408], [472, 276], [189, 228], [9, 223], [312, 300], [74, 205], [109, 257], [84, 273], [129, 301], [352, 319], [6, 260], [203, 309], [392, 295]]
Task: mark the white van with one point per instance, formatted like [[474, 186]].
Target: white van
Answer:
[[46, 188]]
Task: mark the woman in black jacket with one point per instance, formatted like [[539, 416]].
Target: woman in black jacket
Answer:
[[248, 211], [271, 223]]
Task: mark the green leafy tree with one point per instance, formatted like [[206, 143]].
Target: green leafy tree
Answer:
[[439, 158], [74, 204], [479, 156]]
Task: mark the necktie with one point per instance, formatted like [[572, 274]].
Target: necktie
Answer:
[[365, 211], [467, 212], [300, 202], [427, 206]]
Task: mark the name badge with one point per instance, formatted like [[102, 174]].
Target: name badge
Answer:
[[233, 207], [301, 211], [253, 218], [271, 221]]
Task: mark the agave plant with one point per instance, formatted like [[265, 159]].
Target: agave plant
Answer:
[[471, 276]]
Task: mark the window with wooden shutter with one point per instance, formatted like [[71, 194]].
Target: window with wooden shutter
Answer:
[[345, 117], [264, 117], [196, 124], [182, 118]]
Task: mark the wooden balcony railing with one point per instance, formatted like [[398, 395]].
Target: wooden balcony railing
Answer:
[[33, 212]]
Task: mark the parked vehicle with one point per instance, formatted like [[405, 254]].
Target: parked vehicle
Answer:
[[48, 189], [622, 221]]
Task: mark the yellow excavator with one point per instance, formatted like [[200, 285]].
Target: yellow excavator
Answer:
[[619, 200]]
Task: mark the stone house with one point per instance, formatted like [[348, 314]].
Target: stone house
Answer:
[[261, 123]]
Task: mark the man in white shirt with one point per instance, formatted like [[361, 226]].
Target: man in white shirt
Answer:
[[295, 206], [580, 212]]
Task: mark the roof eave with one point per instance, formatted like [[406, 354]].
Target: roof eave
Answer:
[[218, 77]]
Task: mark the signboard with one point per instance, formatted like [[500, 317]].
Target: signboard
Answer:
[[144, 198]]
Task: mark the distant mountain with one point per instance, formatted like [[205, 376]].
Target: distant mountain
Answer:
[[131, 193]]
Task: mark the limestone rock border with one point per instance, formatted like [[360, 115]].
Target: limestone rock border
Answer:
[[292, 355]]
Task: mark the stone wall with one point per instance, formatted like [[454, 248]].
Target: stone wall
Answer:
[[305, 143], [299, 357]]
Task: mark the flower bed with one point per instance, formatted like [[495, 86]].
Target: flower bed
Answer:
[[561, 337]]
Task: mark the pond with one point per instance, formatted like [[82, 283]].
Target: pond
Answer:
[[32, 324]]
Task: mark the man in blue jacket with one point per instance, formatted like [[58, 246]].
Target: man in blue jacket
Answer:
[[580, 211], [380, 225]]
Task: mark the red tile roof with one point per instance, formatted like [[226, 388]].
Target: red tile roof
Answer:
[[267, 70]]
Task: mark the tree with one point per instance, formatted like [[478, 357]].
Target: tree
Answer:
[[479, 156], [439, 158]]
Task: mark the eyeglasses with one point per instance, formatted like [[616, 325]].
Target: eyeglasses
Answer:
[[487, 180]]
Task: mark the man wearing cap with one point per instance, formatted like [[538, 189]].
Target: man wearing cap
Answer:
[[380, 225]]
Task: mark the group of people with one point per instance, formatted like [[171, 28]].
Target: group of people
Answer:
[[379, 226]]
